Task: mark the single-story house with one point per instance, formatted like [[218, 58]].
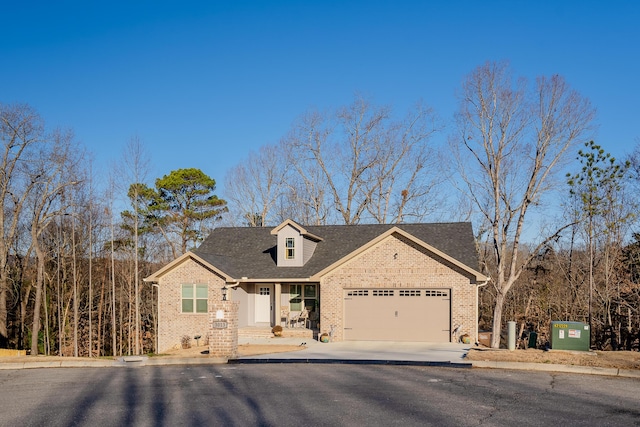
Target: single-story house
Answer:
[[387, 282]]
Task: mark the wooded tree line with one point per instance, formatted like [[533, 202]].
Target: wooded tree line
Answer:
[[71, 258], [554, 213]]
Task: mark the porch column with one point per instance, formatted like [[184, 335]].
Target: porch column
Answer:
[[277, 305]]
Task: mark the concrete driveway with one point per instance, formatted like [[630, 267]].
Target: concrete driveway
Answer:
[[359, 351]]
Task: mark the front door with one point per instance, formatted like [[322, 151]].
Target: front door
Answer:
[[264, 303]]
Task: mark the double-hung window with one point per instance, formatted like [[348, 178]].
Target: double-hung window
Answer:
[[290, 248], [194, 298]]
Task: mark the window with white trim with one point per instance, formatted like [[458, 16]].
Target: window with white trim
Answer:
[[194, 298], [290, 248]]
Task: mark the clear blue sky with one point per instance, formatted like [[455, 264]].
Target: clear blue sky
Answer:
[[203, 83]]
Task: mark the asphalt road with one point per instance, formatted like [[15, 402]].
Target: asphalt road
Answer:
[[312, 395]]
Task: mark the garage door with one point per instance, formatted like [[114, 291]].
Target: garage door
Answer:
[[421, 315]]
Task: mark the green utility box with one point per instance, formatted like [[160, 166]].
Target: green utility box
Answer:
[[570, 336], [533, 340]]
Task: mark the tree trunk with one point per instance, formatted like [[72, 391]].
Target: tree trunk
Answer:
[[100, 337], [75, 287], [497, 320], [35, 330], [4, 338]]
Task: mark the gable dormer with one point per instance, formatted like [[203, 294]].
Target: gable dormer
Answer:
[[295, 245]]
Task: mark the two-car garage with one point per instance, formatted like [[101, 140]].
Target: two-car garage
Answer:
[[419, 315]]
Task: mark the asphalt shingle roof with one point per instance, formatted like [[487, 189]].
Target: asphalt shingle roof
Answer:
[[250, 251]]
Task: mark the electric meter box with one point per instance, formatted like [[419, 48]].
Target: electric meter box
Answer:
[[570, 336]]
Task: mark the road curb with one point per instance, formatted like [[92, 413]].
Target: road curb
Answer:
[[257, 361], [122, 362], [140, 361], [58, 364], [550, 367]]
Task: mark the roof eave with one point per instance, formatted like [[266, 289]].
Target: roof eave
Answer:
[[273, 280], [155, 277], [294, 224]]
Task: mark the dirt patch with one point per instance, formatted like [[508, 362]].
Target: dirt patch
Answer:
[[192, 352], [243, 350], [602, 359], [257, 349]]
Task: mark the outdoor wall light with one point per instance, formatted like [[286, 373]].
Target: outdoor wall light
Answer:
[[224, 293]]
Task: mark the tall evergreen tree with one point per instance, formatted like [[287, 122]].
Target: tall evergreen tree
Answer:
[[182, 207]]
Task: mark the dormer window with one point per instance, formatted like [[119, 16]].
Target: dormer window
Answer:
[[290, 248], [295, 245]]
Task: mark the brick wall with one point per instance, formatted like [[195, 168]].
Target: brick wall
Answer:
[[397, 262], [172, 323], [223, 329]]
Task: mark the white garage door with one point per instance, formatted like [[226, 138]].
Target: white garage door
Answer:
[[420, 315]]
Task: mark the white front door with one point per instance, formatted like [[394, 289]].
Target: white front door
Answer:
[[264, 298]]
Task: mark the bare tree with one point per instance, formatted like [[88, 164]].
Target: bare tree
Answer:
[[405, 175], [53, 171], [346, 165], [109, 211], [21, 132], [306, 197], [136, 167], [90, 208], [510, 142], [253, 187], [362, 163]]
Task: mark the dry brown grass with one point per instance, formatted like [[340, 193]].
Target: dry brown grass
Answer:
[[602, 359]]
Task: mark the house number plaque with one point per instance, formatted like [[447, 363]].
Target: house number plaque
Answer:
[[219, 324]]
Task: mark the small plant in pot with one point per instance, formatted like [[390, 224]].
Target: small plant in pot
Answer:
[[185, 341], [277, 331], [324, 337]]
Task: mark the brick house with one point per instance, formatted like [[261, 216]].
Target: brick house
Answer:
[[388, 282]]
